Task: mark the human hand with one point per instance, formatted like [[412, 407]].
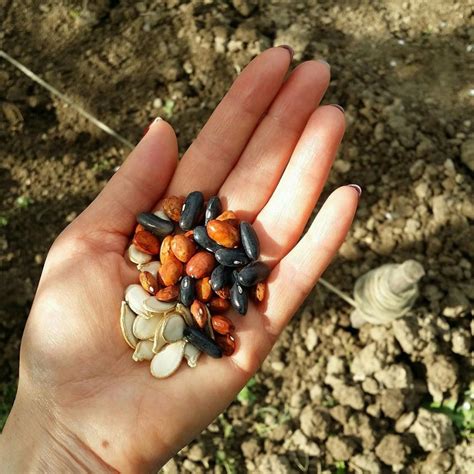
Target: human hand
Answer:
[[82, 402]]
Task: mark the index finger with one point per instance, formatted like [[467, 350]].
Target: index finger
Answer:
[[218, 146]]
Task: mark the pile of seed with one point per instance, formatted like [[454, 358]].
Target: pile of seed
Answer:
[[195, 262]]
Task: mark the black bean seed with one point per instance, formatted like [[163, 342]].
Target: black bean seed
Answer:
[[239, 298], [187, 290], [191, 211], [232, 257], [213, 209], [200, 237], [253, 273], [154, 224], [249, 240], [220, 277], [202, 342]]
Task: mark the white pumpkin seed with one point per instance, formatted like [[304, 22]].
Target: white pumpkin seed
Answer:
[[152, 305], [137, 256], [167, 361], [143, 351], [191, 353], [162, 214], [173, 327], [127, 317], [151, 267], [158, 339], [135, 295], [185, 313], [144, 328]]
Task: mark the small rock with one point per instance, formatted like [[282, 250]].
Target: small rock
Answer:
[[467, 153], [315, 424], [359, 425], [404, 422], [366, 362], [461, 341], [351, 396], [441, 376], [434, 431], [437, 463], [395, 376], [335, 365], [311, 339], [272, 463], [340, 413], [440, 209], [299, 440], [250, 448], [392, 450], [341, 448], [195, 453], [370, 385], [170, 467], [316, 394], [244, 7], [366, 462], [392, 403]]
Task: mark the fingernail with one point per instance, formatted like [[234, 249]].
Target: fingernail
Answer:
[[322, 61], [158, 119], [338, 107], [289, 49], [357, 188]]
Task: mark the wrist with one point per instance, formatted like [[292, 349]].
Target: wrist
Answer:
[[34, 440]]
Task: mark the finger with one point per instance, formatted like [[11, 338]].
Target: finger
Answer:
[[251, 183], [216, 149], [293, 200], [293, 277], [137, 185]]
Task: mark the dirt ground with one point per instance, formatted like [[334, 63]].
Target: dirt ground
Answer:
[[329, 398]]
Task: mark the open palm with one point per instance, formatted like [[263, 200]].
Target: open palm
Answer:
[[266, 151]]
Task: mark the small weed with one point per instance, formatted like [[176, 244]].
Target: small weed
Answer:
[[263, 428], [3, 221], [246, 396], [102, 165], [23, 202], [461, 414], [225, 461], [340, 467], [168, 107], [226, 427], [328, 402]]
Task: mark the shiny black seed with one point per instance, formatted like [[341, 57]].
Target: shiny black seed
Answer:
[[239, 298], [154, 224], [253, 273], [249, 240], [202, 239], [232, 257], [187, 290], [191, 211], [213, 209], [220, 277], [202, 342]]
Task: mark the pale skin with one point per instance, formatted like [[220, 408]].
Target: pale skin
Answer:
[[82, 403]]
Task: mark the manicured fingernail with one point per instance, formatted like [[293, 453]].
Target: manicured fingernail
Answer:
[[289, 49], [158, 119], [322, 61], [338, 107], [357, 188]]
